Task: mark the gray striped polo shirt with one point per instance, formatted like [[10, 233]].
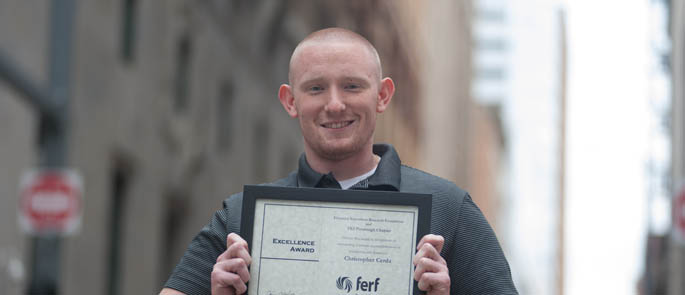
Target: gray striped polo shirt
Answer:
[[474, 257]]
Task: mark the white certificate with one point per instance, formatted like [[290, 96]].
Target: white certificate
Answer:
[[329, 247]]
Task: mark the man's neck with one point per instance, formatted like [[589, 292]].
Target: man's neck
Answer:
[[347, 168]]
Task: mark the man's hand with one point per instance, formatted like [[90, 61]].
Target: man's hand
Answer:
[[230, 271], [431, 269]]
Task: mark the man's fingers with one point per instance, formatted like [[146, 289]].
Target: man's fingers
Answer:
[[435, 283], [432, 276], [222, 256], [236, 266], [236, 247], [436, 240], [231, 265], [238, 250], [244, 274], [223, 280], [427, 250], [431, 271], [234, 238], [426, 265], [231, 273]]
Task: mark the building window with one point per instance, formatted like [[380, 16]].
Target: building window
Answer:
[[128, 30], [491, 44], [182, 76], [490, 73], [119, 185]]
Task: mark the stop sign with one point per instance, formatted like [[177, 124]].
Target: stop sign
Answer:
[[51, 202]]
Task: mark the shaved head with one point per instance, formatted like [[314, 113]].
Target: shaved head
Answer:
[[336, 92], [330, 36]]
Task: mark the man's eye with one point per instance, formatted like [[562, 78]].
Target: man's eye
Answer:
[[315, 88], [352, 86]]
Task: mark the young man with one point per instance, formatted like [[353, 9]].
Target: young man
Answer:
[[336, 91]]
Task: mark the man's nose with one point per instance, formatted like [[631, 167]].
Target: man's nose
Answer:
[[335, 102]]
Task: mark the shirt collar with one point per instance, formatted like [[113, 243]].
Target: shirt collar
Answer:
[[387, 176]]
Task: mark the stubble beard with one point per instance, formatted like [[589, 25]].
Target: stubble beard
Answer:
[[333, 151]]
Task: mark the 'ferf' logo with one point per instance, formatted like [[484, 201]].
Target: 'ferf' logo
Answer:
[[344, 283]]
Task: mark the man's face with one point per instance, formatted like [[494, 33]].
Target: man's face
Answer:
[[336, 91]]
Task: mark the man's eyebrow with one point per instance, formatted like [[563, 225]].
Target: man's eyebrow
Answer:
[[361, 81], [311, 81], [355, 79]]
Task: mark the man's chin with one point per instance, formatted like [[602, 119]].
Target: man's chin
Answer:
[[338, 152]]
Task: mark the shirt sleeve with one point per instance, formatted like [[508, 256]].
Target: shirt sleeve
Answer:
[[192, 274], [476, 262]]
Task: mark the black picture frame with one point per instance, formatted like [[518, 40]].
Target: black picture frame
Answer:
[[252, 193]]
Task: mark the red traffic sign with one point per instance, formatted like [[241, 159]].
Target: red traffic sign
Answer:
[[51, 202]]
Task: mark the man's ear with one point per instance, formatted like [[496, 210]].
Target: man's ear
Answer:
[[285, 95], [385, 93]]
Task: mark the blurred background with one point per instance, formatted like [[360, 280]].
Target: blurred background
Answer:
[[565, 120]]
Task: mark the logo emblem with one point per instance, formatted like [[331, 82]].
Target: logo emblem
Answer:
[[344, 283]]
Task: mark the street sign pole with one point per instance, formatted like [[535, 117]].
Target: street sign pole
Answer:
[[52, 106], [52, 136]]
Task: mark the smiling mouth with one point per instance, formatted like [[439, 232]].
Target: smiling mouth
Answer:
[[337, 125]]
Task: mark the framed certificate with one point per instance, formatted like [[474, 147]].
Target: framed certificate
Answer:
[[331, 241]]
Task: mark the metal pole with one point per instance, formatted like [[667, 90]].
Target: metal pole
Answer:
[[561, 207], [53, 140], [34, 94]]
